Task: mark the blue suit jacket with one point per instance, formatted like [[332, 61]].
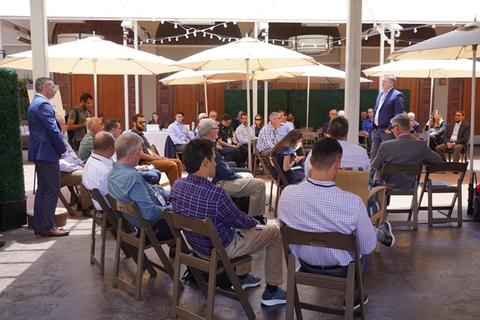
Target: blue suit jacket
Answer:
[[46, 139], [393, 104]]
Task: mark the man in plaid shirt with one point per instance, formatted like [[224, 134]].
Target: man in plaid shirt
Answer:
[[195, 196]]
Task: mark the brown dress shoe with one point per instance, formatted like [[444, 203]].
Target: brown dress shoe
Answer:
[[54, 233]]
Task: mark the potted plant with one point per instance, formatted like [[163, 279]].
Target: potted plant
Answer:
[[13, 209]]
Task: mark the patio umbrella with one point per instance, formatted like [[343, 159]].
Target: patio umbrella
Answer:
[[247, 54], [94, 56], [316, 73], [461, 68], [189, 77], [460, 43]]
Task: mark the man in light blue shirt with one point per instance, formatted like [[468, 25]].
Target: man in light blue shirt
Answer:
[[285, 126], [179, 133], [126, 183]]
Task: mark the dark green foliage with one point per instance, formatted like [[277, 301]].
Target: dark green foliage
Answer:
[[23, 101], [11, 163], [321, 101]]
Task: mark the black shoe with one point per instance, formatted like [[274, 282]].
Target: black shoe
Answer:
[[356, 301], [261, 219], [389, 237]]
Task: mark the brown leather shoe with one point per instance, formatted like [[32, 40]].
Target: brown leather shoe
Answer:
[[54, 233]]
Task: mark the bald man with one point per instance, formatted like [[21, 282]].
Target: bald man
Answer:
[[94, 126]]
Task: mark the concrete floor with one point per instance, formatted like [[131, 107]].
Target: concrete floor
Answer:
[[429, 274]]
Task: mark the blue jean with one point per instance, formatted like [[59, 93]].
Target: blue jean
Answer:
[[152, 176]]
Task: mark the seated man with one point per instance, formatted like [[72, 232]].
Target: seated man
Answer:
[[353, 155], [227, 143], [171, 167], [71, 167], [232, 182], [125, 183], [243, 133], [285, 126], [457, 136], [269, 135], [332, 114], [405, 149], [179, 133], [414, 125], [99, 165], [195, 196], [151, 175], [94, 125], [326, 208]]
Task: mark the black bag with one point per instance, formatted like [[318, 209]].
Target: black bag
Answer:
[[476, 199], [71, 133]]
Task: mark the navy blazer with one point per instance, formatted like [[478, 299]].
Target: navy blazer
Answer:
[[46, 140], [393, 104]]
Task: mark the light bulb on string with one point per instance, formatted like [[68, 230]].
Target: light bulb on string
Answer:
[[169, 39], [162, 21], [414, 30], [224, 25], [176, 39], [204, 34], [211, 36], [175, 26], [433, 26]]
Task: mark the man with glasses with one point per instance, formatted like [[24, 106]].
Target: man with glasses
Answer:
[[171, 167], [269, 135], [94, 126], [405, 149]]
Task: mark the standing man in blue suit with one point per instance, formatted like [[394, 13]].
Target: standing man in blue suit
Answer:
[[390, 102], [45, 148]]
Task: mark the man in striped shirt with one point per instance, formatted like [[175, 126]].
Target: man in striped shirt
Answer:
[[318, 205]]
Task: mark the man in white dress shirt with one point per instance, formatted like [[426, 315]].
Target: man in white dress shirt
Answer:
[[353, 156], [457, 136], [99, 165], [243, 133]]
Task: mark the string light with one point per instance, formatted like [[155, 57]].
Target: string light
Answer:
[[414, 30], [225, 25], [175, 26], [433, 26]]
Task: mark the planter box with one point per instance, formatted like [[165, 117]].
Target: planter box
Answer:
[[13, 214]]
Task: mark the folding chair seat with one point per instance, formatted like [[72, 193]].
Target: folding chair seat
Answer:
[[262, 161], [300, 276], [414, 171], [75, 198], [139, 242], [432, 186], [179, 223]]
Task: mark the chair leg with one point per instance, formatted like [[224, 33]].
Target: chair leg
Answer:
[[116, 268], [212, 277], [139, 275], [92, 247], [459, 206], [176, 277], [292, 294], [65, 203], [102, 249], [430, 207], [349, 293]]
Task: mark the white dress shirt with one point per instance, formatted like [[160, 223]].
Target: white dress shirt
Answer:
[[353, 156], [456, 127], [69, 161], [95, 175], [380, 104], [243, 134]]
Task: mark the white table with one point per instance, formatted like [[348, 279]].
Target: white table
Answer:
[[158, 139]]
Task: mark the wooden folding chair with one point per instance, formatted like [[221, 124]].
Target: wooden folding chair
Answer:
[[75, 197], [261, 160], [332, 240], [412, 170], [146, 233], [281, 180], [180, 223], [430, 186], [100, 218]]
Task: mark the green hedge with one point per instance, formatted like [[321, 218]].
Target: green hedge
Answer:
[[321, 100], [11, 164]]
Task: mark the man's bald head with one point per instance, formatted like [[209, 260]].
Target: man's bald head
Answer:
[[104, 144]]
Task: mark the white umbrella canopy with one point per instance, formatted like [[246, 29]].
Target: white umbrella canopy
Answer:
[[419, 68], [94, 55], [460, 43], [247, 54]]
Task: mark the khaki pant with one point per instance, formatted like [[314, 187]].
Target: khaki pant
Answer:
[[248, 241], [171, 167], [74, 178], [457, 150], [247, 187]]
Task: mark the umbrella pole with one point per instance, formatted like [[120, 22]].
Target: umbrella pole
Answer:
[[308, 99], [432, 82], [95, 92], [247, 62], [472, 130], [205, 91]]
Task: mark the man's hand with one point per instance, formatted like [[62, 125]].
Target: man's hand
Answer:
[[387, 131], [450, 145], [142, 167], [298, 158]]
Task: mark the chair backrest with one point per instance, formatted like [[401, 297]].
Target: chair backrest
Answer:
[[456, 167], [354, 181], [129, 209], [262, 159], [170, 151], [282, 179], [332, 240], [402, 169], [401, 176], [96, 195]]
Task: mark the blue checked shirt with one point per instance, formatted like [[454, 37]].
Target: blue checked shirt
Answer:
[[284, 129], [267, 138], [320, 206], [197, 197]]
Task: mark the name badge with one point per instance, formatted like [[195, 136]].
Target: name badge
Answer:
[[229, 140]]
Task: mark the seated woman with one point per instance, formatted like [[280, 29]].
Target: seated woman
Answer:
[[284, 153], [156, 120], [436, 128]]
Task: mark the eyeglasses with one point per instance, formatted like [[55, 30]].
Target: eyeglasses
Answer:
[[256, 119], [141, 122]]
